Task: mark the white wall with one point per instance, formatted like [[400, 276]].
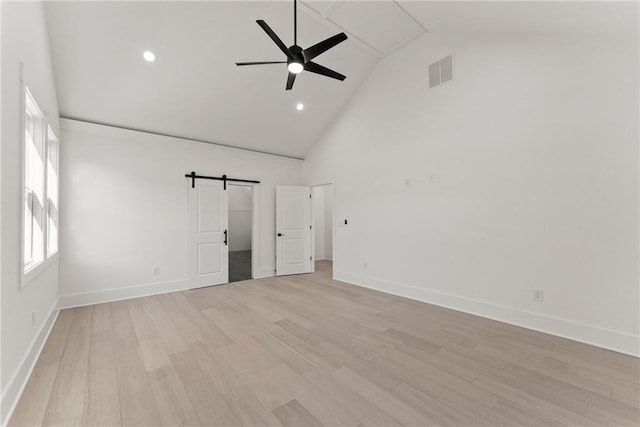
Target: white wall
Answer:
[[318, 222], [125, 208], [322, 222], [240, 214], [24, 39], [534, 153], [328, 221]]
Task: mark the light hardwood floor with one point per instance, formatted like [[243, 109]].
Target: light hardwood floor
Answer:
[[307, 350]]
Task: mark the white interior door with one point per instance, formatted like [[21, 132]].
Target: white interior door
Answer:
[[208, 242], [293, 230]]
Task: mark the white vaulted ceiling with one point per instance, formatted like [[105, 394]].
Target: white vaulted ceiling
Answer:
[[194, 89]]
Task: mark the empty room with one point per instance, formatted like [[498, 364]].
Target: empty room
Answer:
[[338, 213]]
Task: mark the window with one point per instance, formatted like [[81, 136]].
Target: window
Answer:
[[40, 235], [28, 191], [34, 181], [52, 193]]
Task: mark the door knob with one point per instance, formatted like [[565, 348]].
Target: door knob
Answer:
[[280, 234]]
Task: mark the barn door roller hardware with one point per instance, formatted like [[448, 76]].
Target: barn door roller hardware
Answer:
[[223, 178]]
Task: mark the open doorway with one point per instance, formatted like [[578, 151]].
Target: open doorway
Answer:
[[323, 199], [240, 232]]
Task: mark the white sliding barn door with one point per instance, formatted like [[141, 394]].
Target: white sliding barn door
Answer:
[[208, 243], [293, 230]]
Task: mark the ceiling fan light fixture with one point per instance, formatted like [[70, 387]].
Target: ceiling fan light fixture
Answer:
[[149, 56], [295, 67]]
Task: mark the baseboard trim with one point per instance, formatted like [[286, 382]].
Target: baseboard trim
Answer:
[[588, 334], [323, 257], [20, 378], [109, 295]]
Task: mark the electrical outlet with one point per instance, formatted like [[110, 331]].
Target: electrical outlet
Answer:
[[155, 270], [33, 318], [432, 179], [538, 295]]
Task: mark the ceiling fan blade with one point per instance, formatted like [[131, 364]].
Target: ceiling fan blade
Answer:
[[275, 38], [319, 48], [260, 63], [290, 79], [324, 71]]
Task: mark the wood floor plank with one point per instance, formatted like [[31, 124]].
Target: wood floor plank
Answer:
[[308, 350], [406, 375], [222, 376], [101, 400], [137, 405], [142, 323], [598, 357], [622, 391], [607, 418], [386, 401], [67, 394], [174, 407], [367, 412], [434, 412], [323, 408], [207, 401], [101, 318], [284, 353], [270, 394], [569, 395], [540, 406], [31, 408], [167, 329], [188, 330], [312, 355], [294, 414], [153, 353], [54, 347], [205, 327], [248, 409]]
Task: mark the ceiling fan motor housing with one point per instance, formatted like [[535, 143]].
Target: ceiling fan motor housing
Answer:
[[298, 56]]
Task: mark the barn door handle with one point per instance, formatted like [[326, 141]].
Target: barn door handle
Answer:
[[225, 237]]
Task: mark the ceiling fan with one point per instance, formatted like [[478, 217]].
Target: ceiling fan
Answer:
[[299, 59]]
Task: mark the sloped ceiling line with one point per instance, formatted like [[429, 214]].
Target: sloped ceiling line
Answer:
[[426, 30], [324, 18], [168, 135], [326, 14]]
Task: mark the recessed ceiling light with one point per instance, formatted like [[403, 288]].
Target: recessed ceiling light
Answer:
[[149, 56], [300, 106]]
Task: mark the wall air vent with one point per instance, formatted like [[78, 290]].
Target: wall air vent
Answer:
[[441, 71]]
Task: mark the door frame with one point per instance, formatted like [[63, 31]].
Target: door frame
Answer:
[[255, 225], [255, 231], [334, 254]]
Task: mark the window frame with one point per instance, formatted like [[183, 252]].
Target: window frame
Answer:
[[40, 262], [52, 138]]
